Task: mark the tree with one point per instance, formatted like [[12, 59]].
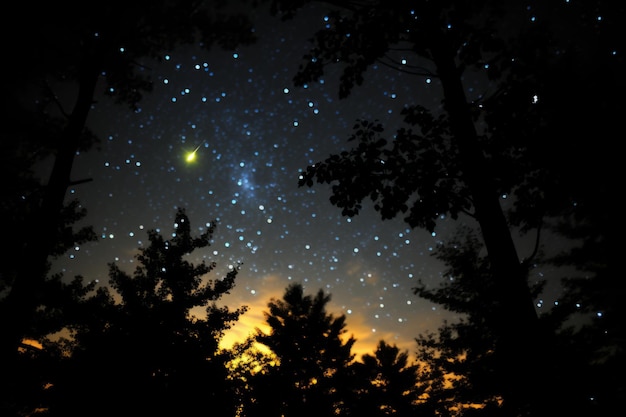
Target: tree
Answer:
[[148, 353], [386, 384], [461, 359], [587, 316], [26, 370], [40, 357], [28, 143], [63, 53], [463, 160], [311, 357], [584, 352]]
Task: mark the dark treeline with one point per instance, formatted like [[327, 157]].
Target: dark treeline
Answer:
[[542, 133], [133, 347]]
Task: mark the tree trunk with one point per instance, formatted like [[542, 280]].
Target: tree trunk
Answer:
[[515, 321], [43, 231]]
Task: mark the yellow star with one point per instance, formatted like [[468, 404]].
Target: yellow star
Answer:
[[191, 156]]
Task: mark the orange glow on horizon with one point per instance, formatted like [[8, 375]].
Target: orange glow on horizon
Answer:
[[367, 338], [32, 343]]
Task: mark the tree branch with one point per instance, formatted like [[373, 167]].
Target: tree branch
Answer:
[[78, 182]]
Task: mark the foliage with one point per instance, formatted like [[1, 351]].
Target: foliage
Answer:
[[385, 384], [31, 140], [461, 358], [538, 63], [160, 355], [37, 365], [414, 173], [579, 348], [67, 56], [540, 77], [532, 90], [311, 354]]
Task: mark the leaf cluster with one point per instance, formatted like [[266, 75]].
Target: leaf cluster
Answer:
[[416, 172], [310, 370], [147, 328]]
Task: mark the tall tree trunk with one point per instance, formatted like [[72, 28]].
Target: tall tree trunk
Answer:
[[515, 321], [43, 231]]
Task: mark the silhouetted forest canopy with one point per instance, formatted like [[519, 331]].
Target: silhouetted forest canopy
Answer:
[[544, 135]]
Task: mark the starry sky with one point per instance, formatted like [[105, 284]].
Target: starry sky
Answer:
[[254, 131]]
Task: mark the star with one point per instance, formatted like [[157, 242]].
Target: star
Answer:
[[191, 156]]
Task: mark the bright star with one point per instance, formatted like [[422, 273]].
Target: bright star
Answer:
[[191, 156]]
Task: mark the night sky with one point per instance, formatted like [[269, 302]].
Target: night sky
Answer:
[[254, 132]]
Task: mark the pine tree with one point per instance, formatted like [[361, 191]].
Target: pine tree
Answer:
[[386, 383], [148, 353], [312, 358]]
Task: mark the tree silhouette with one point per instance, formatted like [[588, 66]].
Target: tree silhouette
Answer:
[[462, 360], [591, 336], [507, 142], [151, 352], [26, 370], [40, 357], [64, 45], [385, 384], [311, 370], [440, 168]]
